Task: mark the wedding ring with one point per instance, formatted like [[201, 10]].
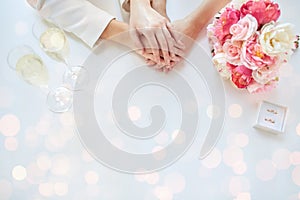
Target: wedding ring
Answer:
[[272, 111], [270, 121]]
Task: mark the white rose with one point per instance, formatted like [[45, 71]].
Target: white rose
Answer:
[[265, 77], [219, 60], [277, 39]]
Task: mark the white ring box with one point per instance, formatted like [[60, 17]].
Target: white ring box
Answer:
[[271, 117]]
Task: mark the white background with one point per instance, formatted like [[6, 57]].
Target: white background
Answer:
[[246, 163]]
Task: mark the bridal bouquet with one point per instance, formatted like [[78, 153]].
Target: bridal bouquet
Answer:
[[249, 45]]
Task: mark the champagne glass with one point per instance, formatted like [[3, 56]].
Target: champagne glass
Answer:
[[30, 68], [54, 43]]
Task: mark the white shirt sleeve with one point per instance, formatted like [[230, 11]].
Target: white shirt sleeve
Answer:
[[79, 17]]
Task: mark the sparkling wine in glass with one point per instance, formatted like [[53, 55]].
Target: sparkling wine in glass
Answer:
[[30, 68], [54, 42]]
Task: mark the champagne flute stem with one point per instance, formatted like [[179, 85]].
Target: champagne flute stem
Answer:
[[66, 62]]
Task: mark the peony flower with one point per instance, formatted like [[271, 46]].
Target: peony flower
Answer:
[[229, 17], [220, 63], [232, 52], [263, 76], [253, 56], [241, 76], [264, 11], [249, 45], [244, 29], [255, 87], [277, 39]]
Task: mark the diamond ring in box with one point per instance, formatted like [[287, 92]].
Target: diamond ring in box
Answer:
[[271, 117]]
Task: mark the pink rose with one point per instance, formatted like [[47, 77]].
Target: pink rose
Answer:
[[253, 56], [241, 76], [222, 25], [214, 43], [244, 29], [264, 11], [255, 87], [232, 52]]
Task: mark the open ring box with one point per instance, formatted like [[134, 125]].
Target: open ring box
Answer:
[[271, 117]]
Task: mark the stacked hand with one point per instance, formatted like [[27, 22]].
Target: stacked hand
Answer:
[[154, 36]]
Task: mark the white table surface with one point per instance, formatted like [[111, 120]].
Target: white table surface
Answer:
[[41, 157]]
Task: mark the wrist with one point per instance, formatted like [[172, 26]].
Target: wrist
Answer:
[[197, 21], [139, 4], [113, 28], [162, 4]]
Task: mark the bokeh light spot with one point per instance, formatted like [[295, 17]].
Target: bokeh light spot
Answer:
[[44, 162], [239, 167], [163, 193], [152, 178], [213, 160], [19, 173], [296, 175], [60, 165], [232, 155], [159, 153], [298, 129], [265, 170], [241, 140], [134, 113], [175, 182], [213, 111], [235, 110], [295, 158], [281, 159], [9, 125], [11, 144], [61, 188], [140, 177], [46, 189], [243, 196], [91, 177], [35, 175], [86, 156]]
